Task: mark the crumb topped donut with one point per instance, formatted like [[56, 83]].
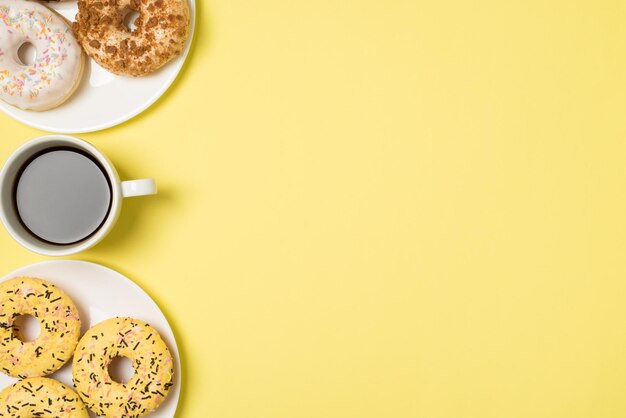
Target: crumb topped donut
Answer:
[[59, 327], [58, 66], [41, 397], [160, 34], [151, 360]]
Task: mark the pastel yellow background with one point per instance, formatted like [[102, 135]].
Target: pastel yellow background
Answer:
[[385, 209]]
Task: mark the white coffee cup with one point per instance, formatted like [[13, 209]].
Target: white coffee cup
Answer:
[[10, 175]]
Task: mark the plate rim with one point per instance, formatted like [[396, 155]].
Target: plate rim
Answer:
[[128, 280], [9, 110]]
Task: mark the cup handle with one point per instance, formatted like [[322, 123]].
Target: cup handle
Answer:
[[140, 187]]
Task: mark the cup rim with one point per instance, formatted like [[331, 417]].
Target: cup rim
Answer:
[[59, 250]]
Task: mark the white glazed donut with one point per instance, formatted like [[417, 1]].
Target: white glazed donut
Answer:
[[58, 66]]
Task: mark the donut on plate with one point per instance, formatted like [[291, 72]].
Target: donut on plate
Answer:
[[151, 360], [59, 327], [40, 397], [160, 34], [58, 66]]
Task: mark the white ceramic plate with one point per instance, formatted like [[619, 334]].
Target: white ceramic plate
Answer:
[[103, 99], [101, 293]]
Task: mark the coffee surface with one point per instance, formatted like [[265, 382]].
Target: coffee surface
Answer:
[[62, 196]]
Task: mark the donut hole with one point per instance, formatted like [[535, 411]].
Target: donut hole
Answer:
[[26, 327], [27, 53], [129, 19], [121, 369]]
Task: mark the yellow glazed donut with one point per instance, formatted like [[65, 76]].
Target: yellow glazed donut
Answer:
[[59, 324], [57, 70], [151, 359], [41, 397]]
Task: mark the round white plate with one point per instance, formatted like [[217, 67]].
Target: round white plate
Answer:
[[101, 293], [103, 99]]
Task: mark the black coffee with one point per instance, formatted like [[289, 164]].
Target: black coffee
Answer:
[[62, 196]]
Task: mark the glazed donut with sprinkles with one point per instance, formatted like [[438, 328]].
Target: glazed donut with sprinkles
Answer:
[[59, 324], [41, 397], [58, 66], [151, 360]]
